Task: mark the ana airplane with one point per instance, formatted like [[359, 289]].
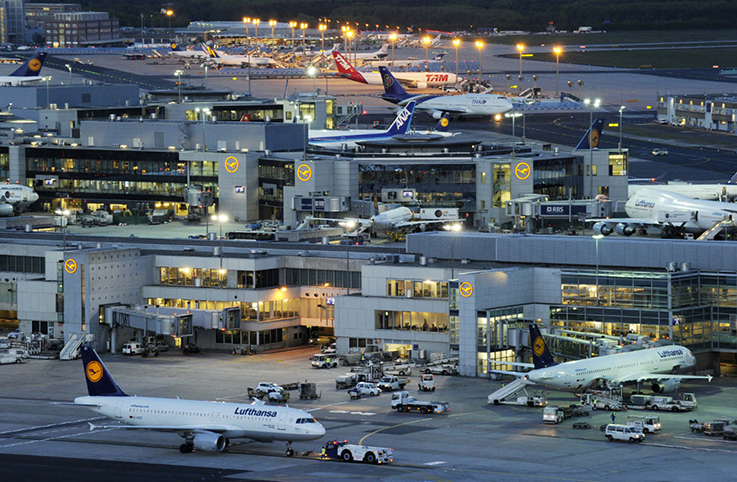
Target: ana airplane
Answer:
[[415, 80], [206, 426], [28, 72], [671, 212], [464, 105], [709, 192], [15, 198], [337, 138], [221, 58], [657, 365]]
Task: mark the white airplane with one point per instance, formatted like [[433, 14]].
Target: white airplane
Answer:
[[188, 54], [366, 56], [669, 211], [338, 138], [375, 64], [415, 80], [221, 58], [659, 365], [28, 72], [206, 426], [464, 105], [15, 198], [397, 220], [709, 192]]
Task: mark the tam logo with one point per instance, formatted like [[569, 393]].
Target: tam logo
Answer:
[[436, 77], [343, 63]]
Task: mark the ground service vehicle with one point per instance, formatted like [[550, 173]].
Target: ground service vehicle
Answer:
[[403, 402], [427, 383], [623, 432], [346, 381], [359, 453], [647, 424], [660, 152], [442, 369], [585, 425], [320, 360], [597, 402], [133, 348], [730, 432], [668, 404], [365, 388], [556, 414], [390, 383], [8, 357], [268, 387]]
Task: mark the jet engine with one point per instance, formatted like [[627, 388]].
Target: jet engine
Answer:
[[437, 115], [624, 229], [667, 386], [209, 442], [6, 210], [602, 228], [422, 85]]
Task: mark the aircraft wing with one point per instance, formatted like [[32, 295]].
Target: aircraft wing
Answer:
[[516, 364], [634, 221], [642, 376], [506, 372], [410, 224]]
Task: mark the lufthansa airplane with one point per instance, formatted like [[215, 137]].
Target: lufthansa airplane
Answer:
[[206, 426], [30, 71], [657, 365]]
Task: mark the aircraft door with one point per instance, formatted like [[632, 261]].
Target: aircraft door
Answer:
[[119, 410], [282, 422]]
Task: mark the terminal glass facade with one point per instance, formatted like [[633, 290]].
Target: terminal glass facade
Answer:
[[555, 177], [492, 329]]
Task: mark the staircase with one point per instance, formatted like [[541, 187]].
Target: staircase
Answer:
[[509, 391], [713, 231], [72, 347]]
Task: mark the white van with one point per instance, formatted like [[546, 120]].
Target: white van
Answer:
[[624, 432], [133, 348]]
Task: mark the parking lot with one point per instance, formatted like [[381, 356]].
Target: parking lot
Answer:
[[473, 441]]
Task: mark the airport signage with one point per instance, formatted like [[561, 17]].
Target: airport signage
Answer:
[[562, 210], [522, 171], [70, 266], [466, 289], [231, 164], [304, 172]]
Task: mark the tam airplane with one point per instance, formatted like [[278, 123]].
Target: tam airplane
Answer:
[[206, 426], [29, 72], [15, 198], [415, 80], [657, 365]]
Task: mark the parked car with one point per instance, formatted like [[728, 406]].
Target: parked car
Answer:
[[133, 348]]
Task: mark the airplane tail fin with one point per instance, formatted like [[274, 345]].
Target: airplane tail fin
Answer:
[[541, 356], [733, 180], [31, 67], [443, 123], [176, 48], [594, 133], [345, 69], [391, 86], [210, 51], [99, 381], [404, 119], [439, 56]]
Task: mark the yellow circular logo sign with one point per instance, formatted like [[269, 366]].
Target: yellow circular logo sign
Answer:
[[231, 164], [522, 171], [594, 138], [70, 266], [94, 371], [444, 122], [538, 346], [304, 172], [34, 65], [466, 289]]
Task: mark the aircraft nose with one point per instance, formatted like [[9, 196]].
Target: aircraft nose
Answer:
[[34, 197], [319, 430]]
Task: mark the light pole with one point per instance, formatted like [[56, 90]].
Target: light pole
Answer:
[[513, 115], [205, 113], [557, 51], [272, 24], [479, 45], [69, 67], [521, 48], [597, 237], [426, 41], [303, 27], [220, 218], [453, 228], [322, 27], [47, 78], [349, 34], [312, 72], [178, 73], [205, 65], [292, 25], [64, 220], [247, 21], [456, 44], [170, 13], [143, 39], [621, 109], [592, 105], [256, 21], [393, 38]]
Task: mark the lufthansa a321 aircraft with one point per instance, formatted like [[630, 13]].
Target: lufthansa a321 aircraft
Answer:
[[657, 365], [207, 426]]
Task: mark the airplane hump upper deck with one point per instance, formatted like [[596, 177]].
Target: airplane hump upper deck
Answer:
[[99, 381]]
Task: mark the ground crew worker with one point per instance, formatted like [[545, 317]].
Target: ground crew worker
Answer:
[[323, 455], [614, 417]]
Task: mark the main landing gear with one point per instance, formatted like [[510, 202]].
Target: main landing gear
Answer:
[[186, 448], [290, 452]]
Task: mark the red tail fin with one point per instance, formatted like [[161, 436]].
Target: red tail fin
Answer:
[[345, 69]]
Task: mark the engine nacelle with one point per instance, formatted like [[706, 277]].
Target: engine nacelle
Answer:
[[668, 386], [625, 229], [209, 442], [602, 228], [422, 85], [6, 210], [437, 115]]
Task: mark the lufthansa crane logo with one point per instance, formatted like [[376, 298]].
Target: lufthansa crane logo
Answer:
[[34, 65], [594, 138], [444, 122], [538, 346], [94, 371], [231, 164], [522, 171], [70, 266], [304, 172], [466, 289]]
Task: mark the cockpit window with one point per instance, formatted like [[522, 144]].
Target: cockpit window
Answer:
[[306, 420]]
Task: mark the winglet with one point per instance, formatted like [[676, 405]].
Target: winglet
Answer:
[[708, 378], [92, 426], [99, 381], [345, 69], [541, 356], [404, 119], [733, 180], [594, 132]]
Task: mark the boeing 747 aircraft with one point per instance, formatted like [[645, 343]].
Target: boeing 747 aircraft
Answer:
[[15, 198], [206, 426]]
